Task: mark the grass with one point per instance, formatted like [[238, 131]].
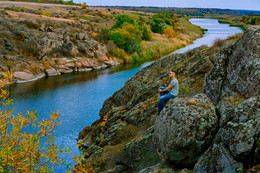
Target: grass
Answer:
[[125, 134], [160, 45], [233, 21], [234, 100], [107, 159], [184, 90], [195, 103]]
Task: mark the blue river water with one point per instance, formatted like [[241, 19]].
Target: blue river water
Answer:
[[79, 96]]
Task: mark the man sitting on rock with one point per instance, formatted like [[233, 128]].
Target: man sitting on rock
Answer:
[[170, 92]]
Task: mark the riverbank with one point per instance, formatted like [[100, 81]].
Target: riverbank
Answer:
[[242, 22], [160, 45], [47, 40]]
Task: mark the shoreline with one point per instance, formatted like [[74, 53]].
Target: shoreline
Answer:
[[57, 73], [53, 72]]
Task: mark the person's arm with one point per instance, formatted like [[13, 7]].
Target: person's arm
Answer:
[[167, 89]]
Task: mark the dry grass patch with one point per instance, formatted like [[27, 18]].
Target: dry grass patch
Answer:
[[234, 100]]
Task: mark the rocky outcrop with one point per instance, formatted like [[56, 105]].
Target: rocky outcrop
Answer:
[[236, 69], [215, 131], [49, 47], [184, 129], [235, 140]]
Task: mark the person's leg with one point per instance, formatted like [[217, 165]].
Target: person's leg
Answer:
[[163, 93], [162, 101]]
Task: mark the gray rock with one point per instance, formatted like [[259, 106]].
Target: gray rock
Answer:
[[160, 166], [240, 137], [240, 127], [203, 66], [243, 70], [139, 154], [213, 81], [241, 113], [49, 29], [111, 134], [188, 82], [80, 36], [184, 130], [118, 169], [94, 150], [237, 69], [217, 159]]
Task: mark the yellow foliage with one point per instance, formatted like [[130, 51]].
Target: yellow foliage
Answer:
[[84, 6], [103, 123], [94, 34], [21, 137], [46, 13], [82, 167], [169, 32]]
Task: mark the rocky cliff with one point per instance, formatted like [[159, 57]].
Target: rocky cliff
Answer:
[[212, 126], [34, 44]]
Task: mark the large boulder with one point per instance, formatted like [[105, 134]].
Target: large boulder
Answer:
[[240, 128], [217, 159], [237, 69], [185, 129], [235, 141]]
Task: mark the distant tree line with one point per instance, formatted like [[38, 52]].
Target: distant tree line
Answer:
[[252, 20], [192, 11], [70, 2]]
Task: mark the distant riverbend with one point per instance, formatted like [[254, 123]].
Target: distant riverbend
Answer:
[[79, 96]]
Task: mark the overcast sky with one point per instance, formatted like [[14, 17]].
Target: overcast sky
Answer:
[[224, 4]]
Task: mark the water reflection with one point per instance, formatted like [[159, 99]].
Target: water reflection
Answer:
[[57, 82]]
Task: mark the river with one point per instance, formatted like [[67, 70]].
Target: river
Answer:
[[79, 96]]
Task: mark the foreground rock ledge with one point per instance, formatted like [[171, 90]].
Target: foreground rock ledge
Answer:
[[184, 129]]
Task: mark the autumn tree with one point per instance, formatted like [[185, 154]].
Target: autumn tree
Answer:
[[22, 136], [169, 32]]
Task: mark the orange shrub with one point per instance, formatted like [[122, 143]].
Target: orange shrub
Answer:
[[94, 34], [169, 32], [84, 6]]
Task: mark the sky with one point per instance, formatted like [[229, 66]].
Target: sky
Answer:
[[223, 4]]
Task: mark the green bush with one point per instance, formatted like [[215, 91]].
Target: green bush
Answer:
[[184, 90], [147, 34], [15, 9], [121, 19], [118, 53], [127, 38], [46, 13], [31, 24]]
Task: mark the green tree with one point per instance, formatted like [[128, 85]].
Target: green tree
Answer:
[[128, 38], [121, 20], [147, 34]]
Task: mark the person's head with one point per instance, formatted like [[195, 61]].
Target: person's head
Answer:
[[172, 74]]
